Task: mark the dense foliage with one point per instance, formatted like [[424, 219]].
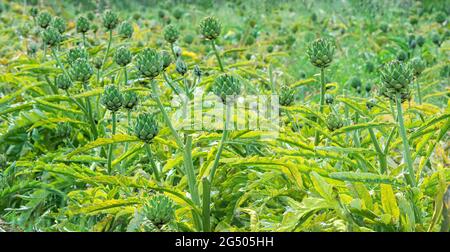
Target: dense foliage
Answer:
[[88, 141]]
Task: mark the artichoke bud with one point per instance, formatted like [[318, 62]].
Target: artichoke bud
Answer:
[[82, 70], [181, 66], [130, 100], [371, 103], [123, 56], [334, 122], [197, 71], [420, 41], [126, 30], [32, 49], [355, 83], [441, 17], [402, 56], [177, 51], [396, 77], [370, 67], [417, 65], [149, 63], [368, 87], [83, 25], [59, 24], [112, 99], [63, 82], [51, 36], [329, 99], [146, 127], [166, 59], [287, 96], [171, 34], [44, 19], [210, 28], [110, 20], [226, 85], [436, 39], [34, 12], [91, 16], [321, 52], [76, 53], [178, 14], [159, 210], [97, 62]]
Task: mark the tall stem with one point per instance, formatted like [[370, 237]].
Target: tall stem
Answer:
[[89, 111], [406, 152], [221, 145], [152, 163], [107, 49], [206, 204], [166, 117], [170, 84], [110, 151], [213, 45], [84, 40], [381, 155], [322, 101], [189, 170]]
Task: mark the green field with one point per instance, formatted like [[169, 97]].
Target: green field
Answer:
[[151, 116]]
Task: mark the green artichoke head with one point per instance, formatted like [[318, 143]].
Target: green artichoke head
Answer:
[[130, 100], [83, 25], [396, 77], [181, 66], [329, 99], [126, 30], [149, 63], [334, 122], [287, 95], [112, 99], [51, 36], [34, 12], [417, 65], [210, 28], [123, 56], [44, 19], [110, 20], [321, 52], [60, 24], [197, 71], [159, 210], [63, 82], [171, 34], [146, 127], [226, 85], [76, 53], [82, 70]]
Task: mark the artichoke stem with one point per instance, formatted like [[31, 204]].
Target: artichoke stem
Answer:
[[419, 94], [381, 155], [322, 101], [84, 40], [213, 45], [170, 84], [173, 51], [107, 49], [152, 163], [110, 151], [406, 152], [206, 204]]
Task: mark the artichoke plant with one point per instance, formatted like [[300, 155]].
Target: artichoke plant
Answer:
[[181, 67], [334, 122], [51, 36], [210, 28], [417, 65], [126, 30], [110, 20], [396, 77], [34, 12], [130, 100], [287, 96], [329, 99], [60, 24], [171, 34], [83, 25], [321, 52], [76, 53], [226, 85], [112, 99], [355, 83], [44, 19], [63, 82], [197, 71], [149, 63], [146, 127], [82, 70], [123, 56], [159, 210]]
